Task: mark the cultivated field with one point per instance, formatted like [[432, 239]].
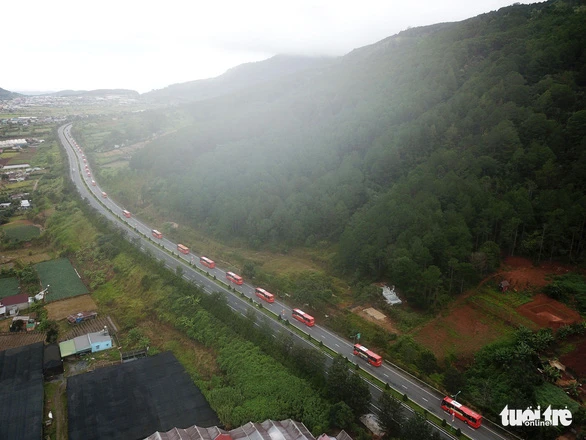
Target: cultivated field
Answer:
[[8, 287], [20, 231], [19, 339], [58, 310], [62, 278]]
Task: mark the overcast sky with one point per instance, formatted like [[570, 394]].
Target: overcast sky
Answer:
[[67, 44]]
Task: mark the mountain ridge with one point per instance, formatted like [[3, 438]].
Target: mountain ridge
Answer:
[[236, 78]]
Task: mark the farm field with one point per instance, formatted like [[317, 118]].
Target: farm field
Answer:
[[58, 310], [19, 339], [21, 231], [62, 278], [8, 287]]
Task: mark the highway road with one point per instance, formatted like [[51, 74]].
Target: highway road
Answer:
[[419, 392]]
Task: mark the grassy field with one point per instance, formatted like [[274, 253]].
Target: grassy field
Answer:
[[20, 232], [62, 278], [8, 287], [21, 186]]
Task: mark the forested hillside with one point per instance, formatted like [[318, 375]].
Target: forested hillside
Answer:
[[424, 155]]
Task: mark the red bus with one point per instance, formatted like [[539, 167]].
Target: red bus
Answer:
[[460, 411], [236, 279], [94, 182], [183, 249], [104, 195], [371, 357], [300, 315], [156, 234], [126, 214], [205, 261], [263, 294]]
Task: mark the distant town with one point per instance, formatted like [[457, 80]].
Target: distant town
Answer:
[[59, 101]]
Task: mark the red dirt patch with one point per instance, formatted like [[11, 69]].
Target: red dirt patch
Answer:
[[522, 274], [576, 359], [547, 312], [463, 332]]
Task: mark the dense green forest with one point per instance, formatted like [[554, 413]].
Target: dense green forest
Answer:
[[424, 156]]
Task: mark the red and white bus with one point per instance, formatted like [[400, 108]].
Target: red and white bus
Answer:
[[93, 182], [371, 357], [126, 214], [300, 315], [236, 279], [104, 195], [156, 234], [460, 411], [205, 261], [183, 249], [264, 295]]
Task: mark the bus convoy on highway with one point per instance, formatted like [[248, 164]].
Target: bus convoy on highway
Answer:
[[448, 404]]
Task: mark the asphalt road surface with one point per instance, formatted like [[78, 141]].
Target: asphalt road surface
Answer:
[[419, 392]]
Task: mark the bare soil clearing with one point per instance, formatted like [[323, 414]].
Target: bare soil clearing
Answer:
[[473, 321], [547, 312], [62, 309], [385, 323]]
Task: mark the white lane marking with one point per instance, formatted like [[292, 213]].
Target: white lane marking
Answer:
[[404, 386], [425, 399]]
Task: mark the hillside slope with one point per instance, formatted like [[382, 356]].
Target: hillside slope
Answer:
[[423, 156], [6, 94]]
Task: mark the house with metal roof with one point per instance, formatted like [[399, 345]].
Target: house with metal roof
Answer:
[[90, 343], [12, 305]]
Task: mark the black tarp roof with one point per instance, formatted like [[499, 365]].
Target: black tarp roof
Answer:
[[52, 356], [21, 392], [133, 400]]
